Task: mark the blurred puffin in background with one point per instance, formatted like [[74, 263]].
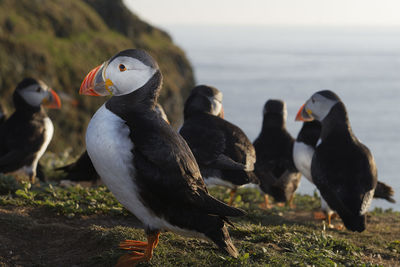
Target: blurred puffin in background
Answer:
[[303, 151], [274, 146], [25, 135], [342, 168], [146, 164], [225, 155]]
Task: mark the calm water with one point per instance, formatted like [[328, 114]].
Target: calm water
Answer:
[[253, 64]]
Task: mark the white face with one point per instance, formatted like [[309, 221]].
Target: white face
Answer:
[[284, 112], [126, 74], [35, 93], [319, 106], [216, 104]]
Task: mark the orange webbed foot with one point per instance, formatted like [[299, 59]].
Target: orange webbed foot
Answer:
[[133, 245], [139, 251], [264, 206], [319, 215]]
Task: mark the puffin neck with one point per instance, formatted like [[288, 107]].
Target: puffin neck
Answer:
[[273, 121], [21, 105], [138, 101], [310, 133], [336, 122]]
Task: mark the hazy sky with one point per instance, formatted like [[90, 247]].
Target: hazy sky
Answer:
[[269, 12]]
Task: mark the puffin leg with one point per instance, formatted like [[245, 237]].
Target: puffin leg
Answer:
[[265, 205], [140, 251], [32, 177], [232, 196], [290, 202], [332, 216]]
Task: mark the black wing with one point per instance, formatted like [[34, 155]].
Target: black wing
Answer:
[[167, 167], [208, 143], [20, 140], [80, 170]]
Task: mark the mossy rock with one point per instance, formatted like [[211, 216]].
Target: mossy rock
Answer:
[[60, 41]]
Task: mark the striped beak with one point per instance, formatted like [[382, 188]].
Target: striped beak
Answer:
[[52, 100], [95, 84], [304, 114]]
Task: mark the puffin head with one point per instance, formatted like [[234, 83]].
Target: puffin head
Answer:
[[275, 106], [124, 73], [36, 93], [318, 106], [206, 99]]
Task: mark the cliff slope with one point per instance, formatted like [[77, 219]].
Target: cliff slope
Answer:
[[60, 41]]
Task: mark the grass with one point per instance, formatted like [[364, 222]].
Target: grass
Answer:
[[48, 225]]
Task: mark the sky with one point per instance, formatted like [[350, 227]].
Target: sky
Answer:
[[269, 12]]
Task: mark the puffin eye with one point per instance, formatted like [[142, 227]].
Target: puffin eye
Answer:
[[312, 100], [38, 89], [122, 67]]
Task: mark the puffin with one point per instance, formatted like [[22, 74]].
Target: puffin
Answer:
[[25, 135], [225, 155], [303, 151], [82, 170], [145, 163], [342, 168], [274, 148]]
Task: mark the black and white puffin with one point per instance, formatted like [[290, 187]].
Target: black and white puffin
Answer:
[[342, 168], [146, 164], [303, 151], [82, 170], [274, 147], [224, 153], [25, 135]]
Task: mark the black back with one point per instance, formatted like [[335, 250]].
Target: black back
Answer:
[[274, 150], [343, 169]]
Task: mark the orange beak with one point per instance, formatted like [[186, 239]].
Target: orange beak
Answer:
[[52, 101], [87, 86], [300, 115], [221, 114]]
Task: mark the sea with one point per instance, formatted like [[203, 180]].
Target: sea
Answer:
[[251, 64]]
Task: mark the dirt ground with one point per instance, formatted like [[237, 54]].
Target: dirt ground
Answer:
[[35, 237]]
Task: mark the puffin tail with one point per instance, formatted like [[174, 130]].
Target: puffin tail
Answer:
[[214, 206], [222, 239], [384, 191]]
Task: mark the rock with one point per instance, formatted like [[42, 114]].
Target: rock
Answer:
[[60, 41]]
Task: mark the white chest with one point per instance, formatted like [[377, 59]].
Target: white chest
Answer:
[[302, 157], [110, 149], [48, 135]]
